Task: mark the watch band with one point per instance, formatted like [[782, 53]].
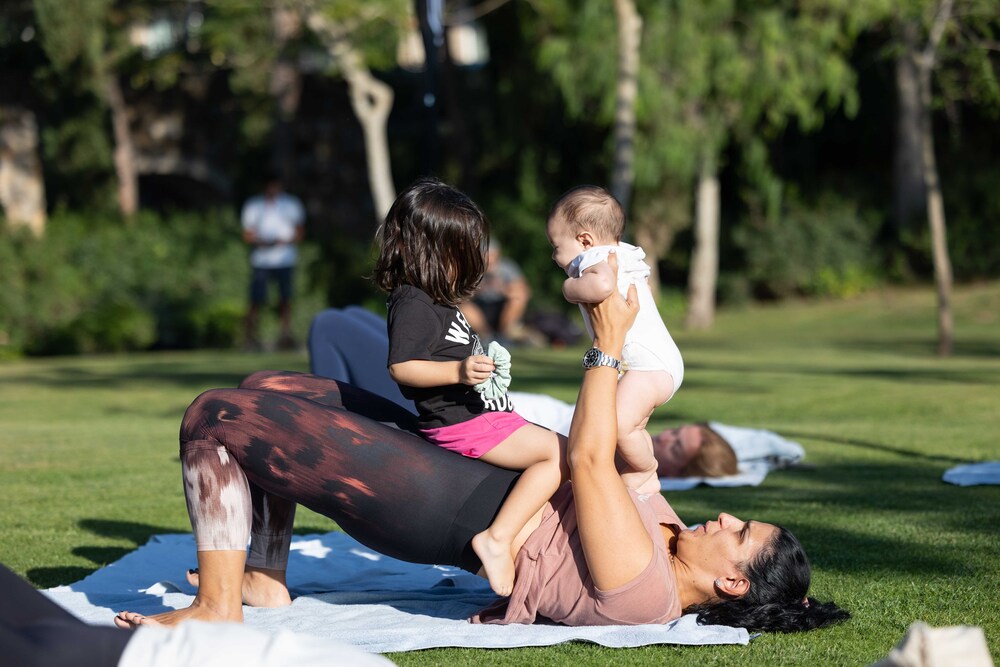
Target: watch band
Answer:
[[594, 357]]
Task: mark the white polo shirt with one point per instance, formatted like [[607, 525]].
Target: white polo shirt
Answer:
[[273, 220]]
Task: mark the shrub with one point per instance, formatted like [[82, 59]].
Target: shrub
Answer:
[[822, 248], [97, 284]]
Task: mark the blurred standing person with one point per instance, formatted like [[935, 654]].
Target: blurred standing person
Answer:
[[273, 227], [497, 308]]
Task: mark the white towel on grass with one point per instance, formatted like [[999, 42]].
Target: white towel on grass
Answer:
[[347, 592], [758, 451]]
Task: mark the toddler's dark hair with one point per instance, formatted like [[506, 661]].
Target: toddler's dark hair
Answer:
[[435, 238]]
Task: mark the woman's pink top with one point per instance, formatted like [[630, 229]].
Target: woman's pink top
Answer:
[[553, 580]]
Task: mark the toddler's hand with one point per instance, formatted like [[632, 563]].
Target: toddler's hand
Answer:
[[475, 369]]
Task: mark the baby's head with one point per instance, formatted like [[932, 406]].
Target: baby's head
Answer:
[[434, 237], [582, 218]]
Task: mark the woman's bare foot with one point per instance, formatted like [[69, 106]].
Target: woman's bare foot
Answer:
[[198, 611], [496, 559], [261, 587]]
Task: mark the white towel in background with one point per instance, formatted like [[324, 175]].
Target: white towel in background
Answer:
[[973, 474], [757, 451]]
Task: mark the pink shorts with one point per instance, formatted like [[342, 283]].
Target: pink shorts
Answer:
[[477, 436]]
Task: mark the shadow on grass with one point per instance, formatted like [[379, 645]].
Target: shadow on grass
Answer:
[[101, 555], [901, 375], [874, 446], [173, 370], [50, 577], [925, 348], [137, 533], [161, 374], [902, 520]]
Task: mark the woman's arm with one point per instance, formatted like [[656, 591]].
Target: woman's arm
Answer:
[[615, 542], [424, 373], [595, 285]]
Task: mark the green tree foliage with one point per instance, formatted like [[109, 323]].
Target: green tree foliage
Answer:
[[712, 73], [88, 39], [90, 286]]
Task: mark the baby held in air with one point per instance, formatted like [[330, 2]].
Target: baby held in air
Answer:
[[584, 227]]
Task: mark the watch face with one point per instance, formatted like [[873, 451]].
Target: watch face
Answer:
[[591, 358]]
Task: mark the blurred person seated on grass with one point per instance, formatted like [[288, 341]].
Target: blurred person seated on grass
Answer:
[[351, 345], [597, 554], [497, 309]]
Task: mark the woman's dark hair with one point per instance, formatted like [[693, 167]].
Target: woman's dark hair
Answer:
[[435, 238], [779, 578]]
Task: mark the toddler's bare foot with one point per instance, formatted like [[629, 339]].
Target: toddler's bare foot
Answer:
[[261, 588], [198, 611], [496, 559]]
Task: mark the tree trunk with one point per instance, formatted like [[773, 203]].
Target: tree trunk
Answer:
[[705, 257], [22, 189], [459, 140], [371, 101], [909, 195], [285, 87], [124, 154], [626, 92], [925, 61], [936, 220]]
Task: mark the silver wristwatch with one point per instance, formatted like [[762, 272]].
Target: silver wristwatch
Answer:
[[594, 357]]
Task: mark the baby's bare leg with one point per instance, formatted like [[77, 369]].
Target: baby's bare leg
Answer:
[[639, 393]]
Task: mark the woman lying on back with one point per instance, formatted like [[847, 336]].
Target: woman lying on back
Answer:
[[596, 554]]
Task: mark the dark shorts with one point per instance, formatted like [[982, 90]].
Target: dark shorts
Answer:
[[261, 277]]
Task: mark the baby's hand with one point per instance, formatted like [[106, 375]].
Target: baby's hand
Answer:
[[475, 369]]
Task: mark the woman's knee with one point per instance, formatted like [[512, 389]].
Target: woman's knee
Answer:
[[261, 379], [208, 410]]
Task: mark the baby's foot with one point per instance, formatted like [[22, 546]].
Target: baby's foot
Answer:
[[642, 482], [261, 588], [650, 486], [496, 559]]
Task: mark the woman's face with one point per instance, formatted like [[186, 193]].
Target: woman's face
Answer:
[[674, 448], [720, 546]]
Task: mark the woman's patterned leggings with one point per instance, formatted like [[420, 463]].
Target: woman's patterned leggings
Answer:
[[249, 455]]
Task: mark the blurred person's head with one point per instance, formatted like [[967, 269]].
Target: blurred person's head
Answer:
[[493, 253], [693, 450], [273, 183], [584, 217]]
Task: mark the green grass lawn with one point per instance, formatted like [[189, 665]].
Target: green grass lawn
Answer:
[[89, 463]]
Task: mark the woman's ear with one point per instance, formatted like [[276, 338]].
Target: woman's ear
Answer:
[[586, 239], [733, 586]]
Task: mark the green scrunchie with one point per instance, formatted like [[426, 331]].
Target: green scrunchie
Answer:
[[496, 384]]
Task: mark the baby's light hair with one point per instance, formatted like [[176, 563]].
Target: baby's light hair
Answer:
[[593, 209]]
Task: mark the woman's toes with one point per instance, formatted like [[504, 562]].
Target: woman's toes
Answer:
[[129, 620]]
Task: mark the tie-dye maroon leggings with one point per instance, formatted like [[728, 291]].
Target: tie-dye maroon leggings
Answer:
[[249, 455]]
